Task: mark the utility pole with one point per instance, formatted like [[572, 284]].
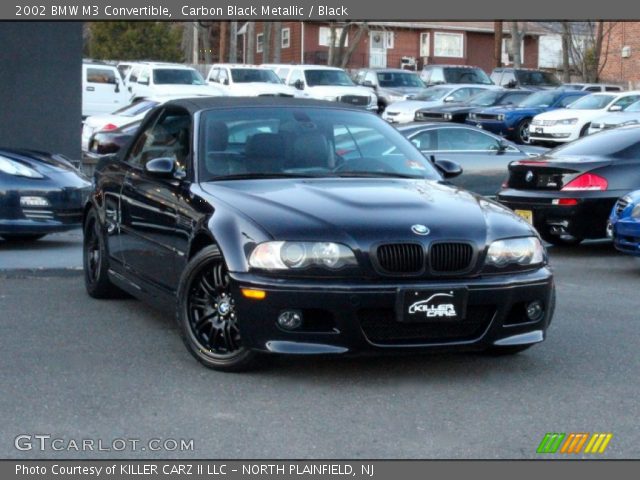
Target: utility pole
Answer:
[[497, 43], [195, 56]]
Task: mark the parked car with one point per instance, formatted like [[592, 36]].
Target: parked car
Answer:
[[624, 224], [566, 125], [332, 84], [108, 142], [514, 121], [524, 78], [390, 84], [40, 193], [630, 116], [280, 69], [159, 79], [439, 74], [249, 81], [483, 156], [459, 112], [568, 193], [405, 111], [102, 89], [592, 87], [211, 233]]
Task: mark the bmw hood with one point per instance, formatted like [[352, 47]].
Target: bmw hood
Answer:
[[357, 211]]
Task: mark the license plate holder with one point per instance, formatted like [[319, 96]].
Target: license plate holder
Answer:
[[526, 215], [432, 305]]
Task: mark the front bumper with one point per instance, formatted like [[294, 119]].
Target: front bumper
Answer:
[[626, 235], [586, 219], [398, 117], [342, 317], [555, 133]]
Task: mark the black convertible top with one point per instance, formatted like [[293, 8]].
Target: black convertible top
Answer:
[[206, 103]]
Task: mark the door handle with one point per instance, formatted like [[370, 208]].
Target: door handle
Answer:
[[91, 89]]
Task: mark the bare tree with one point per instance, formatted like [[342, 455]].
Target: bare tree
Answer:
[[266, 41], [233, 42], [250, 32], [566, 45], [517, 31], [222, 39], [497, 43], [339, 53], [277, 41], [588, 44]]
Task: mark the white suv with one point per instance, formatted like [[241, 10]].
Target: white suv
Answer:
[[249, 81], [102, 89], [330, 83], [159, 79]]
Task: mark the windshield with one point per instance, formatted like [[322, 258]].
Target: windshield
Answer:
[[177, 76], [536, 77], [327, 77], [432, 94], [304, 142], [399, 80], [135, 108], [539, 99], [618, 143], [466, 75], [485, 99], [260, 75], [591, 102]]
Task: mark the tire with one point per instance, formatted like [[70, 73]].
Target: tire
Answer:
[[95, 261], [522, 131], [563, 241], [206, 315], [22, 237], [500, 351], [584, 130]]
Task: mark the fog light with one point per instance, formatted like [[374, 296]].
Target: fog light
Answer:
[[535, 311], [34, 202], [290, 319]]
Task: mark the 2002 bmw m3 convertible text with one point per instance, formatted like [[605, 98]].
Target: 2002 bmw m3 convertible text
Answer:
[[302, 227]]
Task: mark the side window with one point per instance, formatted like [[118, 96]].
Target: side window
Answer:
[[371, 76], [624, 102], [282, 73], [463, 94], [437, 76], [295, 76], [425, 140], [143, 77], [223, 77], [514, 98], [169, 136], [213, 75], [613, 89], [495, 77], [101, 75], [463, 139], [360, 76], [134, 74], [592, 89]]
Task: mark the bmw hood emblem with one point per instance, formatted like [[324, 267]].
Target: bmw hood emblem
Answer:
[[529, 176], [420, 229]]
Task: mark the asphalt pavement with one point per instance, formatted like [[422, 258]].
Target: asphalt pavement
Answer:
[[77, 368]]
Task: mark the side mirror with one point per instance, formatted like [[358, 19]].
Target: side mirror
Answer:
[[143, 82], [162, 167], [502, 146], [615, 108], [368, 83], [447, 168], [225, 81], [450, 98], [299, 84], [117, 89]]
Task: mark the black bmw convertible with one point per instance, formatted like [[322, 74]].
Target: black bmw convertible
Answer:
[[269, 227]]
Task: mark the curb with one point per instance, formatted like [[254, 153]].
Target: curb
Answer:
[[40, 272]]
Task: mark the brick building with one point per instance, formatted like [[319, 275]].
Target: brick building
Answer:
[[460, 43], [620, 60]]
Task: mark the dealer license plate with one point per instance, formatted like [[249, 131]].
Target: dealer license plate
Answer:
[[443, 305]]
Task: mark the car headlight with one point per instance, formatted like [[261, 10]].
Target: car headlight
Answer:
[[447, 116], [299, 255], [12, 167], [567, 121], [635, 213], [519, 252], [501, 117], [472, 116]]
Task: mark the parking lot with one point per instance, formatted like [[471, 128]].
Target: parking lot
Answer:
[[79, 368]]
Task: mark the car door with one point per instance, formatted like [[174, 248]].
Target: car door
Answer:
[[155, 231], [142, 87], [483, 160], [103, 92]]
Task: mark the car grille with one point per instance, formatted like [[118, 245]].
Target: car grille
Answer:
[[621, 204], [287, 95], [429, 116], [401, 258], [354, 100], [409, 258], [450, 257], [381, 327], [64, 216], [485, 116]]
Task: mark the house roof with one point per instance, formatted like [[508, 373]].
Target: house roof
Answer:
[[532, 28]]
